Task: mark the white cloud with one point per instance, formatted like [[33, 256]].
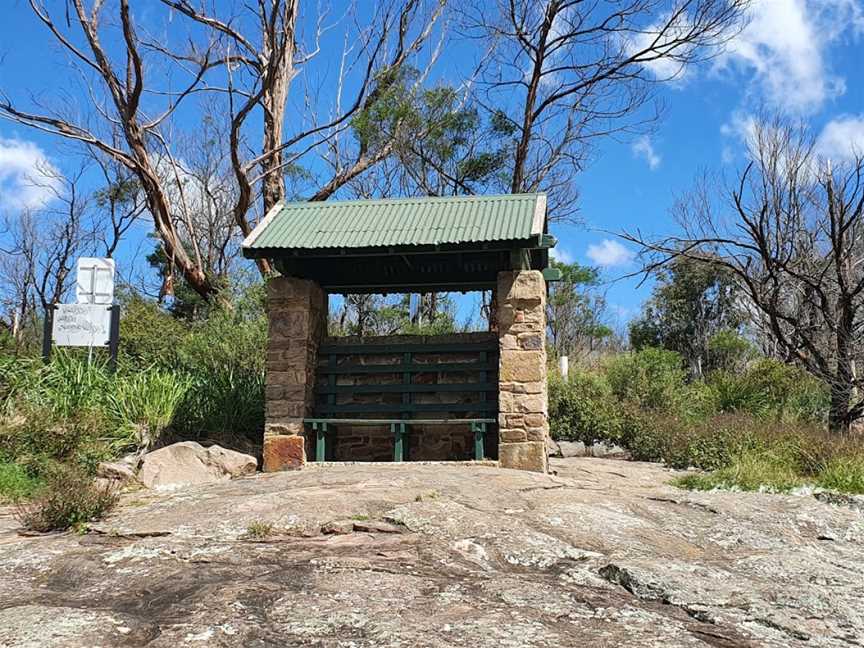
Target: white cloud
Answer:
[[842, 138], [667, 44], [643, 148], [27, 179], [560, 254], [783, 45], [609, 253]]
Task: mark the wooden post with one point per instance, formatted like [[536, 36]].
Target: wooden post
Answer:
[[114, 338], [47, 333]]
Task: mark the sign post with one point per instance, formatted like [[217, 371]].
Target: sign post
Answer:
[[91, 322]]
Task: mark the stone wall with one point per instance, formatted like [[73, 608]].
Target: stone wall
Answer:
[[297, 320], [523, 424]]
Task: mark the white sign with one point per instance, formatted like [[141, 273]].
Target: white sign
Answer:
[[95, 283], [82, 325]]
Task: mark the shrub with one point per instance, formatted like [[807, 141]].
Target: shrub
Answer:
[[69, 498], [651, 378], [582, 408], [728, 351], [35, 438]]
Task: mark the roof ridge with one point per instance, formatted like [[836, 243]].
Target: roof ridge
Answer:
[[406, 199]]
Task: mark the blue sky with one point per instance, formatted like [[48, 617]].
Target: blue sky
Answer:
[[801, 57]]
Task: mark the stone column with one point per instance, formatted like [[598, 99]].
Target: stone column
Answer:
[[523, 423], [297, 321]]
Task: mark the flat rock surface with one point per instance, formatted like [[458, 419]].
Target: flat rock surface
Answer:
[[605, 553]]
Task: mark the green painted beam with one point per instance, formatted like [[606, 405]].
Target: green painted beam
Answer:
[[413, 367], [413, 389], [488, 406], [552, 274]]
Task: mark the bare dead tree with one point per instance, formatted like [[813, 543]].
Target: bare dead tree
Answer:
[[43, 244], [269, 58], [123, 128], [792, 232], [562, 73]]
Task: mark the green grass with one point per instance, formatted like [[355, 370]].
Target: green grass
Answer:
[[259, 530], [15, 482], [752, 470], [843, 474]]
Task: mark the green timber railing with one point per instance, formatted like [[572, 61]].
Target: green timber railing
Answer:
[[399, 384]]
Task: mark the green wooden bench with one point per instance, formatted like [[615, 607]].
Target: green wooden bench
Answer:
[[328, 413]]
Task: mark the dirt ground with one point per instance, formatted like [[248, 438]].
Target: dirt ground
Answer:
[[605, 553]]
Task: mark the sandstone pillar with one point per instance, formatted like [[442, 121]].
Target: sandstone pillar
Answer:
[[297, 320], [523, 424]]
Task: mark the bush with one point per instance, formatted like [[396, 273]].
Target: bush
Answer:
[[770, 389], [582, 408], [69, 498], [651, 378]]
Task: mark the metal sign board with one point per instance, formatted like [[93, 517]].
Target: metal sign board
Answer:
[[95, 284], [82, 325]]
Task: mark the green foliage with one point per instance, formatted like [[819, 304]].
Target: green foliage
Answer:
[[16, 482], [69, 498], [143, 404], [770, 389], [583, 408], [843, 473], [150, 334], [728, 351], [575, 308], [691, 303], [771, 470], [650, 378]]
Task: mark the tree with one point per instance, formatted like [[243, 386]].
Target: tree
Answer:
[[792, 235], [261, 42], [691, 303], [120, 125], [246, 56], [575, 311], [562, 73], [43, 244]]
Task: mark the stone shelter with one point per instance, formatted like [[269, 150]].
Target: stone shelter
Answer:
[[480, 395]]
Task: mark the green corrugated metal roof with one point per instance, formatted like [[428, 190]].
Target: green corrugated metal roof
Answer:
[[399, 222]]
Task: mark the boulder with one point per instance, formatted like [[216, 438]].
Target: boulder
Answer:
[[571, 449], [187, 463], [117, 472], [552, 447], [606, 450]]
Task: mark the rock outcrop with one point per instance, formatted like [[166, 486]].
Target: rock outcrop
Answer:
[[606, 553], [188, 463]]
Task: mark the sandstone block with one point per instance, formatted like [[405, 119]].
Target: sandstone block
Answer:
[[535, 420], [522, 366], [530, 455], [531, 341], [509, 403], [512, 436], [282, 452], [286, 428]]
